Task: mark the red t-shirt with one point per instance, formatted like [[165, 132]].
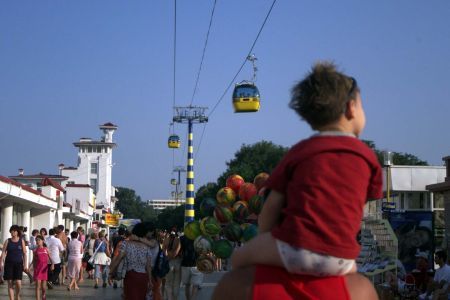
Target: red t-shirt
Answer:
[[326, 181]]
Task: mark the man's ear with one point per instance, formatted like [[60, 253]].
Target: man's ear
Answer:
[[350, 109]]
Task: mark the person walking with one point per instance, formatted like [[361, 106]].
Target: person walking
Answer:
[[44, 233], [13, 262], [75, 250], [89, 250], [41, 257], [101, 259], [172, 249], [81, 238], [138, 257], [61, 235], [190, 276], [55, 248]]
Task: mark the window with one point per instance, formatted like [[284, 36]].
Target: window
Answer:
[[94, 184], [94, 168], [438, 200], [402, 201], [421, 200]]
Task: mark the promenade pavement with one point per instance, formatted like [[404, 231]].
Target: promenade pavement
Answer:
[[87, 291]]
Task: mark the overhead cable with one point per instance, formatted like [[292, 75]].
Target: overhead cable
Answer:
[[245, 59], [203, 54]]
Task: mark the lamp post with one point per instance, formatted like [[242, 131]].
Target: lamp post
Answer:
[[388, 162]]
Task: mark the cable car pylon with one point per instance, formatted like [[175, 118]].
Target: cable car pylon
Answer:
[[190, 115]]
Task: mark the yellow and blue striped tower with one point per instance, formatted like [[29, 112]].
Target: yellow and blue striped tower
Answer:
[[190, 115], [189, 212]]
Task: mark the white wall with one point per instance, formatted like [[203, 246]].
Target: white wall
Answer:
[[414, 178]]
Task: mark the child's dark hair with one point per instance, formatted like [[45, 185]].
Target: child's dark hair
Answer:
[[321, 98]]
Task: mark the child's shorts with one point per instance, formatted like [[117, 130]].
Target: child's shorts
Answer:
[[302, 261]]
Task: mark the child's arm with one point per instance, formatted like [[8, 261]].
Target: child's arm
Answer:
[[271, 211]]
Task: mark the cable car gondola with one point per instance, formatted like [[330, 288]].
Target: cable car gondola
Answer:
[[174, 141], [246, 97], [246, 94]]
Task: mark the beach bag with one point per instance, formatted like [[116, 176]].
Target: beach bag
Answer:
[[161, 267]]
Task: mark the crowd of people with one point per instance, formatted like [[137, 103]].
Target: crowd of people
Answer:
[[63, 258]]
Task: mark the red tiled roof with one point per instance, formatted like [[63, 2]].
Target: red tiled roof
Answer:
[[23, 186], [77, 185], [47, 181]]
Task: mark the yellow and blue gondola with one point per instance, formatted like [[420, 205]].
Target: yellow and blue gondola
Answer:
[[174, 141], [246, 97]]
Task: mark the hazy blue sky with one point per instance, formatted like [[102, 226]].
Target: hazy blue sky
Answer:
[[68, 66]]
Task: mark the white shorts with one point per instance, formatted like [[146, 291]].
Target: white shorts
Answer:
[[302, 261], [190, 275]]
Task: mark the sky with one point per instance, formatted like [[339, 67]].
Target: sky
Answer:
[[68, 66]]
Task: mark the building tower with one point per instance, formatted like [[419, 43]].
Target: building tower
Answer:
[[95, 166]]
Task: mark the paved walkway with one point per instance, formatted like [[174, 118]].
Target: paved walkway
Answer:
[[87, 291]]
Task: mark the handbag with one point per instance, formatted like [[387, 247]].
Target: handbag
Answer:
[[91, 260]]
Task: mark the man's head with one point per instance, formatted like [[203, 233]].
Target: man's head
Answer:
[[325, 98], [440, 257], [121, 231], [60, 228], [51, 232]]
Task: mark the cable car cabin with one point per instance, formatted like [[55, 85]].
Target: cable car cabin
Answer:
[[174, 141], [245, 98]]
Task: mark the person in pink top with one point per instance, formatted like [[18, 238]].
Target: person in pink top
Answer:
[[41, 257], [74, 265]]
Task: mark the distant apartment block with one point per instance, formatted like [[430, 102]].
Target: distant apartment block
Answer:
[[159, 204]]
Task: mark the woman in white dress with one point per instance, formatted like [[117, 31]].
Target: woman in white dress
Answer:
[[74, 263]]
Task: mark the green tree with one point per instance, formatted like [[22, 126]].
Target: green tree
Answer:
[[251, 160], [132, 207], [248, 161], [398, 158], [170, 217]]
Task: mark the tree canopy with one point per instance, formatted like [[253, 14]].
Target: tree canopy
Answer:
[[131, 206], [398, 158], [248, 161]]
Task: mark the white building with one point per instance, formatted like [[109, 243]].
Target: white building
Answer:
[[66, 213], [94, 170], [158, 204], [26, 206], [408, 188]]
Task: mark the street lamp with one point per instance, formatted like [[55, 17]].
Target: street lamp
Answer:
[[387, 163]]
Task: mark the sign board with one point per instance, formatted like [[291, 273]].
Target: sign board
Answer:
[[112, 220], [388, 206], [129, 222]]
